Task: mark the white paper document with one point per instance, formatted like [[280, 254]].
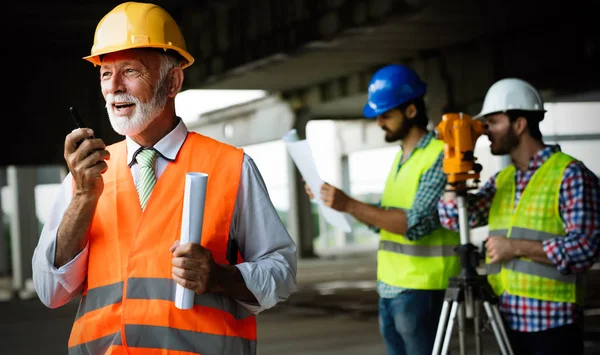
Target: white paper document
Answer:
[[302, 156], [191, 226]]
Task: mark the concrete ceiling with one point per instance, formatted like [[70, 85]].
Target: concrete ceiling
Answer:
[[403, 34], [240, 44], [245, 45]]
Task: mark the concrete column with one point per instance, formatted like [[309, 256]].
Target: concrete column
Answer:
[[345, 177], [4, 252], [23, 223], [300, 219], [339, 236]]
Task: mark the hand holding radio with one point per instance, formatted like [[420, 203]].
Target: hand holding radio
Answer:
[[86, 158]]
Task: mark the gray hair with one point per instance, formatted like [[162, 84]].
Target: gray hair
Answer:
[[168, 62]]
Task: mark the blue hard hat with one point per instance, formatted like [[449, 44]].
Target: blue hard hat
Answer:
[[390, 87]]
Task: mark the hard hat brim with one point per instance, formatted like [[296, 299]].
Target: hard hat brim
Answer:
[[368, 112], [481, 115], [371, 113], [95, 58]]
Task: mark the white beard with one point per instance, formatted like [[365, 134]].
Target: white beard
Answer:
[[143, 114]]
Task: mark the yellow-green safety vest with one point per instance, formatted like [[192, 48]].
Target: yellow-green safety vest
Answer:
[[427, 263], [537, 218]]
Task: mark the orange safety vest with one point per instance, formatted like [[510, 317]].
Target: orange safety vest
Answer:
[[128, 302]]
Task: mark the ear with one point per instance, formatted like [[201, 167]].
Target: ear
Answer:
[[520, 125], [175, 81], [410, 112]]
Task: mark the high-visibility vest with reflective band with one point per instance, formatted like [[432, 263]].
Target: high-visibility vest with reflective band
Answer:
[[536, 218], [425, 264], [127, 305]]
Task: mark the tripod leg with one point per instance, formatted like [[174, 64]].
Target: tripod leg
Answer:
[[496, 326], [439, 335], [477, 328], [502, 330], [450, 326], [462, 333], [469, 302]]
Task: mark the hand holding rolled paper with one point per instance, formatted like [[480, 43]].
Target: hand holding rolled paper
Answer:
[[192, 266], [191, 262]]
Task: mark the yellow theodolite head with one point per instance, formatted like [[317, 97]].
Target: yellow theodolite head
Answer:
[[460, 133]]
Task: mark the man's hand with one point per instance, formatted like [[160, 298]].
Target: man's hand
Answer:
[[499, 249], [334, 198], [449, 194], [86, 161], [308, 192], [193, 266]]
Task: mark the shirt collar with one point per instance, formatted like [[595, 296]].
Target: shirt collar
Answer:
[[542, 156], [424, 141], [168, 147]]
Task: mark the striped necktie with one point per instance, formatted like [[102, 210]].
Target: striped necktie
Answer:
[[145, 158]]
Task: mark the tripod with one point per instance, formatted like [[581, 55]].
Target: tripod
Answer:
[[465, 295]]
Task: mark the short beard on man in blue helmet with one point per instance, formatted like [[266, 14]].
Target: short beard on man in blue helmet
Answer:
[[396, 124]]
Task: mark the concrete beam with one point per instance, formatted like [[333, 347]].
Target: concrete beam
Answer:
[[232, 37], [459, 75], [261, 121], [458, 78]]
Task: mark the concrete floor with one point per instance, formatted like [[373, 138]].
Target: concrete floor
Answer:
[[333, 312], [28, 327]]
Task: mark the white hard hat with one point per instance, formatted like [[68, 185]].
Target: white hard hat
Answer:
[[511, 94]]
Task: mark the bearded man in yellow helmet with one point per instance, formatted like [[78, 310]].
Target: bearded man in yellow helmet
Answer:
[[113, 232], [543, 214]]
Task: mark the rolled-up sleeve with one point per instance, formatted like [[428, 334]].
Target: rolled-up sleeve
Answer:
[[478, 207], [269, 253], [56, 287], [579, 205]]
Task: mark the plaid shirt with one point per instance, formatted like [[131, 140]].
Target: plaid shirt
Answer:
[[423, 217], [579, 205]]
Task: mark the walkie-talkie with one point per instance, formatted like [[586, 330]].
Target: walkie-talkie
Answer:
[[78, 121]]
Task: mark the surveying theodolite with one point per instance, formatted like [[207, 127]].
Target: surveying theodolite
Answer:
[[468, 291]]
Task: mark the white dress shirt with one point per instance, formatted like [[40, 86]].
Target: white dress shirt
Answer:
[[269, 267]]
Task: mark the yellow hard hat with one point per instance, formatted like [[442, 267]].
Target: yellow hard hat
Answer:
[[138, 25]]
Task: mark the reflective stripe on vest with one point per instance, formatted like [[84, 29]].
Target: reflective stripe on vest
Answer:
[[418, 250], [429, 262], [152, 289], [531, 268], [538, 269], [535, 218], [100, 297], [147, 336], [129, 292], [523, 233]]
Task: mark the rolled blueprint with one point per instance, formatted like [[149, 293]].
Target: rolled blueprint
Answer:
[[191, 226]]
